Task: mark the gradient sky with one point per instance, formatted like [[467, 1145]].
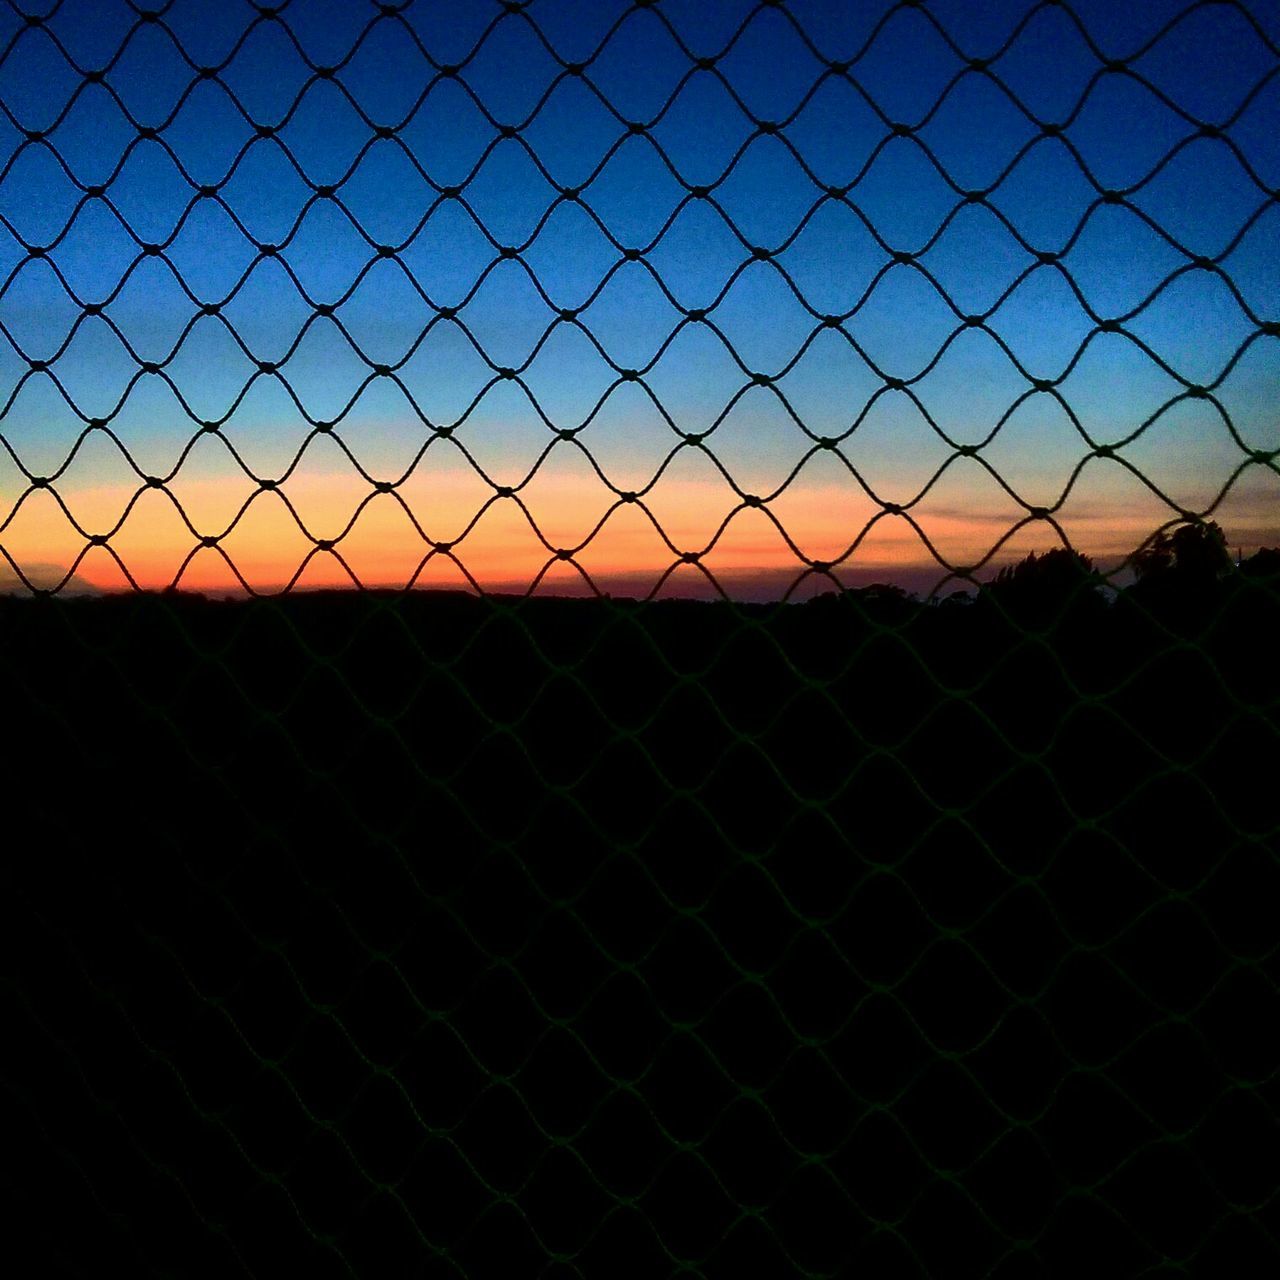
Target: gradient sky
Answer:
[[209, 169]]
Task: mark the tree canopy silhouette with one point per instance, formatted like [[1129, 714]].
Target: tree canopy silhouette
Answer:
[[1196, 551], [1264, 563], [1045, 586]]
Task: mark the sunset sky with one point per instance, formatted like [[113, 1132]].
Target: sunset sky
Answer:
[[340, 324]]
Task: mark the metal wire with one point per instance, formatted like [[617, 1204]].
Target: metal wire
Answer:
[[475, 937], [562, 313]]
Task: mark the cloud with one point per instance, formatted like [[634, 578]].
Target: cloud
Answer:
[[43, 577]]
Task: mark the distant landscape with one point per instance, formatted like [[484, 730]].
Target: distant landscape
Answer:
[[397, 918], [436, 687], [639, 639]]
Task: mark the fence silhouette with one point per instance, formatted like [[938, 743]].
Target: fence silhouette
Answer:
[[815, 928]]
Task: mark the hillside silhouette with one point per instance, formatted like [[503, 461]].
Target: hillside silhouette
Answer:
[[438, 934]]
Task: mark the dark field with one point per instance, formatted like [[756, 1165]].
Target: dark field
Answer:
[[437, 935]]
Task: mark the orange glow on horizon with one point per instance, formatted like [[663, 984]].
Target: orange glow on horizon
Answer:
[[510, 543]]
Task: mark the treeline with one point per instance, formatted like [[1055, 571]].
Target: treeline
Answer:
[[432, 934], [398, 713]]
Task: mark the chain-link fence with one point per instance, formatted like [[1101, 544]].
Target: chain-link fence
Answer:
[[903, 903]]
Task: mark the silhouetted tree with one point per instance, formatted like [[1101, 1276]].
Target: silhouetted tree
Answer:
[[1055, 569], [1195, 551], [1264, 563], [1045, 586], [1155, 559]]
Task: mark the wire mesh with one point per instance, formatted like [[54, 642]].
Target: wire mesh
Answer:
[[496, 934]]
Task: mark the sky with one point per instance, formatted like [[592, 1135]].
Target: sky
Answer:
[[296, 296]]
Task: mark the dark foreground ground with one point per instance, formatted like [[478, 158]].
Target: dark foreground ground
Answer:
[[424, 936]]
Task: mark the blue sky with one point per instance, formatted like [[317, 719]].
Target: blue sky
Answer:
[[826, 191]]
